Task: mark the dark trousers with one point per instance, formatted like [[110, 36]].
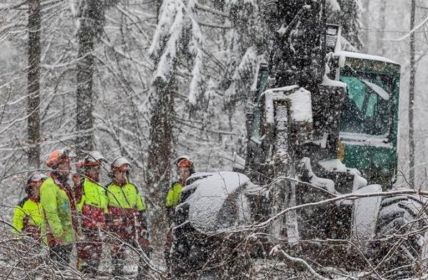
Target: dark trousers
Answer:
[[61, 255]]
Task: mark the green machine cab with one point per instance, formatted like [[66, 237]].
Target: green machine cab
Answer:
[[369, 119]]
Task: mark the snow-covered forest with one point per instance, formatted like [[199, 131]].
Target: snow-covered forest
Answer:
[[152, 80]]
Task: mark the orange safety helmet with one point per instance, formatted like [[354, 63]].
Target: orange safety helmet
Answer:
[[184, 162], [56, 157]]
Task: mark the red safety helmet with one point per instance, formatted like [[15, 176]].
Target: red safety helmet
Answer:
[[93, 158]]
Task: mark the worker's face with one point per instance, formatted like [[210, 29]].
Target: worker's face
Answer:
[[35, 187], [94, 172], [183, 173], [119, 173], [64, 168]]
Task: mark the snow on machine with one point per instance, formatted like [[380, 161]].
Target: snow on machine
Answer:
[[321, 161]]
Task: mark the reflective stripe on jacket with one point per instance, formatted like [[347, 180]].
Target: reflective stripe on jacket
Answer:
[[93, 205], [28, 213], [57, 211], [173, 197], [125, 196], [93, 195]]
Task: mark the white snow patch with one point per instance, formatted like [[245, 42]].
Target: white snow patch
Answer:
[[359, 181], [365, 213], [246, 70], [300, 103], [362, 139], [167, 14], [333, 165], [195, 84], [344, 54], [323, 183], [167, 60], [332, 83], [334, 5], [218, 193]]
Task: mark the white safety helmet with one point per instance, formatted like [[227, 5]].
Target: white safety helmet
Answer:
[[120, 161], [94, 156], [36, 176]]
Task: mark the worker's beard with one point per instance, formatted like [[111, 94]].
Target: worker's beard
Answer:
[[62, 177], [93, 177]]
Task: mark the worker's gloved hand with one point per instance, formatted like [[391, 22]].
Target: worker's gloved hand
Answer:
[[60, 240]]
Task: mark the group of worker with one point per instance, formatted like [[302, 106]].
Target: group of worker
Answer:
[[88, 214]]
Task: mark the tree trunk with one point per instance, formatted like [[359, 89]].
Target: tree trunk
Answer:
[[160, 154], [160, 148], [33, 100], [412, 97], [381, 31], [91, 24], [158, 6], [365, 18]]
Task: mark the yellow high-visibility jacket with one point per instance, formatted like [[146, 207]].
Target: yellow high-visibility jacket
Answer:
[[126, 196], [28, 213], [93, 195], [57, 211], [173, 197]]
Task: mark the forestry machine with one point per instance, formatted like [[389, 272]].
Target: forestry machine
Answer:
[[321, 161]]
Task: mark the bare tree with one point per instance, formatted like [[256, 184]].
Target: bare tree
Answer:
[[33, 76], [382, 24], [91, 26], [412, 96]]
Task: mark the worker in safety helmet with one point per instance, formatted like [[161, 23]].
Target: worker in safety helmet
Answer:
[[126, 217], [184, 169], [59, 208], [28, 215], [92, 205]]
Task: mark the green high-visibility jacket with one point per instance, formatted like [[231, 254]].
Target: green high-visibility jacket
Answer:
[[173, 197], [125, 196], [94, 195], [27, 212], [57, 212]]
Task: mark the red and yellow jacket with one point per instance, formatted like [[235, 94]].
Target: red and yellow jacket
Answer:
[[92, 204], [124, 205]]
